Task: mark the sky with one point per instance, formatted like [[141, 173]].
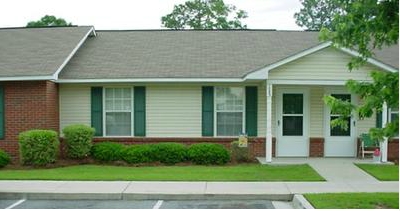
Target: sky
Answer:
[[139, 14]]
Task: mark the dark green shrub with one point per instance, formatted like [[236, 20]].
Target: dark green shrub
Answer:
[[38, 147], [108, 151], [239, 154], [4, 159], [139, 154], [208, 154], [169, 153], [78, 140]]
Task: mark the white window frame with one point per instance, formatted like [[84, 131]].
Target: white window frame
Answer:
[[243, 110], [105, 111]]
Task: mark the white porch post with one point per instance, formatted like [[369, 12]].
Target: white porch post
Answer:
[[384, 143], [268, 137]]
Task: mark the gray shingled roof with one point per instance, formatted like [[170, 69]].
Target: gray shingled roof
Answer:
[[183, 54], [36, 51]]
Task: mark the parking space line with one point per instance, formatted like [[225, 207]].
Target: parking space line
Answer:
[[16, 204], [158, 204]]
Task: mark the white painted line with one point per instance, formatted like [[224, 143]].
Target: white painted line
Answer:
[[158, 204], [16, 204]]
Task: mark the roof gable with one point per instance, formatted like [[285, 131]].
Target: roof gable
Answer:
[[38, 53]]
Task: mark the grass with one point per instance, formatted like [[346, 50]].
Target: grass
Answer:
[[354, 200], [248, 172], [381, 172]]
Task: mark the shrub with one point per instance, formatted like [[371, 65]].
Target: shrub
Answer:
[[108, 151], [38, 147], [239, 154], [78, 140], [169, 153], [208, 154], [4, 159], [139, 154]]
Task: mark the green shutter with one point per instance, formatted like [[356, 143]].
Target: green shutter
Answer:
[[140, 111], [379, 119], [207, 111], [251, 110], [2, 112], [97, 110]]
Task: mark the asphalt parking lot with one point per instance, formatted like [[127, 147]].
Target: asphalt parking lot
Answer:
[[135, 204]]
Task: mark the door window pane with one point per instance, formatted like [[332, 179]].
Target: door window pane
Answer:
[[229, 123], [292, 126], [338, 131], [292, 103]]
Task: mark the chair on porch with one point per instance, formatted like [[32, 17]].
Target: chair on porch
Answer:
[[367, 145]]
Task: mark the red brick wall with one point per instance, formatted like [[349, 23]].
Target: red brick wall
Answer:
[[317, 147], [28, 105]]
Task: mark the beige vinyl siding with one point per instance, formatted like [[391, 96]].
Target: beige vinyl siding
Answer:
[[326, 64], [261, 111], [316, 111], [173, 111], [74, 105]]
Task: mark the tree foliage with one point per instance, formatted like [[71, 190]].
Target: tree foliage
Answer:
[[204, 14], [48, 20], [368, 25], [317, 14]]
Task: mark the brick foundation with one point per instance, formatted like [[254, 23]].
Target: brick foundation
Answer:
[[393, 150], [28, 105], [317, 147]]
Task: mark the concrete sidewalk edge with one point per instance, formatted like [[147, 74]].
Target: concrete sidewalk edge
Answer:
[[138, 196]]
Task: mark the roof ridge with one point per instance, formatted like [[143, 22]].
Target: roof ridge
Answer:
[[200, 30], [42, 27]]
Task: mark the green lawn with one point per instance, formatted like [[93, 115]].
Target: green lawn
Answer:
[[381, 172], [354, 200], [250, 172]]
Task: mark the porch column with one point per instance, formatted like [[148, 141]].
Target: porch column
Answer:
[[384, 143], [268, 137]]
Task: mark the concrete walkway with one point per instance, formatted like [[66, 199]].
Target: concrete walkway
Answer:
[[341, 175]]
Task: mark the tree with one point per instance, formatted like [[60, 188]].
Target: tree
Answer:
[[48, 20], [317, 14], [368, 25], [204, 14]]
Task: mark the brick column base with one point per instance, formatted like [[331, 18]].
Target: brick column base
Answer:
[[317, 147]]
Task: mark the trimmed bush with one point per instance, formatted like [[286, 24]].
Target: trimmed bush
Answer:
[[38, 147], [108, 151], [4, 159], [169, 153], [139, 154], [78, 140], [208, 154], [239, 154]]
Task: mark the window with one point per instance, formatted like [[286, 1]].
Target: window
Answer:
[[338, 131], [292, 116], [394, 115], [229, 108], [118, 111]]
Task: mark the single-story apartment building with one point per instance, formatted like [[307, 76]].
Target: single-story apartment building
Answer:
[[147, 86]]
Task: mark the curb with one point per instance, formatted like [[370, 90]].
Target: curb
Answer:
[[140, 196], [299, 202]]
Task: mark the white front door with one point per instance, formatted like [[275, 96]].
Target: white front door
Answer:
[[339, 142], [292, 123]]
